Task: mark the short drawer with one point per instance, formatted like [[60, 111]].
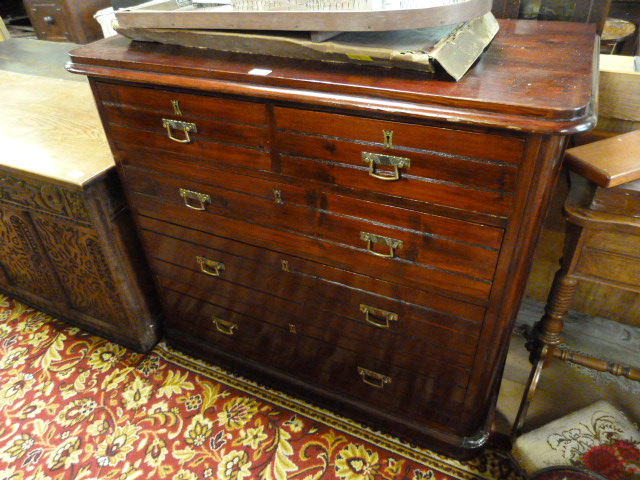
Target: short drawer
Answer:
[[459, 169], [49, 21], [342, 230], [140, 119], [356, 374], [180, 103]]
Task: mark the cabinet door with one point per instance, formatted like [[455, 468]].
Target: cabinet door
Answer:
[[23, 258], [82, 267]]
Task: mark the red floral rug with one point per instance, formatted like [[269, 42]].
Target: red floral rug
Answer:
[[75, 406]]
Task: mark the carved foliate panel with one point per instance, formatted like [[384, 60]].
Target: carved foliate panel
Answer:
[[43, 197], [82, 267], [23, 259]]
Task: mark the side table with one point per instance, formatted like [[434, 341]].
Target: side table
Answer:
[[67, 245], [602, 245]]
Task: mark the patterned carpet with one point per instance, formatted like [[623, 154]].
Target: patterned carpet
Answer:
[[75, 406]]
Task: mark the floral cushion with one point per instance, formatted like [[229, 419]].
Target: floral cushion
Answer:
[[599, 438]]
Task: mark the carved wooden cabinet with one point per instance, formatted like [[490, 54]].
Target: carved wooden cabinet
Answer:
[[358, 236], [67, 242]]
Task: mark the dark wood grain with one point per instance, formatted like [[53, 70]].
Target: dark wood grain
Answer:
[[456, 315], [305, 297], [501, 90], [319, 362]]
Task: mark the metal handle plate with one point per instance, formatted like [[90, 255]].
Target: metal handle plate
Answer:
[[378, 317], [372, 238], [186, 127], [378, 159], [372, 378], [210, 267], [224, 326], [189, 197]]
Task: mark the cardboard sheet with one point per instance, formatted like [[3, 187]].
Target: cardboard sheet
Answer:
[[455, 47]]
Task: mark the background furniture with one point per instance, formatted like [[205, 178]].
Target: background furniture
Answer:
[[602, 246], [67, 245], [587, 11], [66, 20], [357, 235]]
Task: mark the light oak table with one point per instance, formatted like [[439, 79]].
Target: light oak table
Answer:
[[66, 243]]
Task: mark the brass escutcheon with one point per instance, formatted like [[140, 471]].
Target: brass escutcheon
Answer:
[[388, 138], [176, 107]]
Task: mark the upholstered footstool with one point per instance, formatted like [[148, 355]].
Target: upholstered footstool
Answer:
[[598, 438]]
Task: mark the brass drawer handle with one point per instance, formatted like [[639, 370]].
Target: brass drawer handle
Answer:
[[372, 238], [186, 127], [377, 317], [374, 379], [210, 267], [224, 326], [374, 159], [190, 196]]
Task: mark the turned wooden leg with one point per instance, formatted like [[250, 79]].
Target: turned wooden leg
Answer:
[[547, 335], [549, 329]]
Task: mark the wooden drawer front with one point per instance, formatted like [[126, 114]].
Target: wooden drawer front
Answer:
[[459, 169], [324, 325], [49, 21], [162, 102], [332, 229], [443, 311], [428, 398], [137, 121], [356, 314]]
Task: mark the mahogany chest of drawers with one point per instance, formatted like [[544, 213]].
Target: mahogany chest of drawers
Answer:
[[358, 236]]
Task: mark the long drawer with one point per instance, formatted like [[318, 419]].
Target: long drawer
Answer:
[[269, 266], [412, 247], [402, 391], [460, 169], [393, 349]]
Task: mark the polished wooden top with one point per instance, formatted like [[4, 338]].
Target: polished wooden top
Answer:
[[610, 162], [50, 127], [535, 76]]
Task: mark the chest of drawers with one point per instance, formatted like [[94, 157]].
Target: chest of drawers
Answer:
[[358, 236]]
